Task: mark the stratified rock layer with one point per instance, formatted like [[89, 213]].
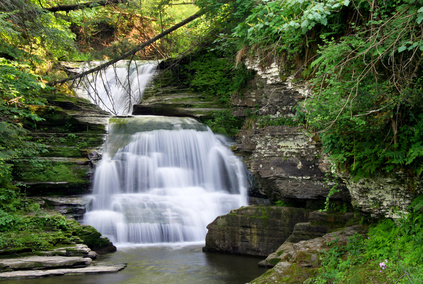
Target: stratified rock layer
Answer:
[[287, 161], [253, 230]]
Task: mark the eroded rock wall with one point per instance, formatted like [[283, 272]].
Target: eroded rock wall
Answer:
[[286, 160]]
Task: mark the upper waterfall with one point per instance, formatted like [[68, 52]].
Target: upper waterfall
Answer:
[[117, 88]]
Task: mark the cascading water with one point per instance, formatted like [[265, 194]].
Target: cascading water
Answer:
[[165, 185], [162, 179], [117, 88]]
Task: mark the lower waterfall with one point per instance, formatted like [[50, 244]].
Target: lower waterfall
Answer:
[[163, 180]]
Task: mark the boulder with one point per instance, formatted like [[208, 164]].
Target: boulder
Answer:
[[302, 257], [253, 230], [319, 224]]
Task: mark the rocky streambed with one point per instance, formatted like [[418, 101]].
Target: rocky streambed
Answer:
[[70, 260]]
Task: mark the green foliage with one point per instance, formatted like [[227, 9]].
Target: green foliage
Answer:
[[42, 231], [224, 122], [366, 70], [287, 29], [367, 103], [34, 30], [19, 93], [280, 203], [391, 251], [51, 171], [216, 76]]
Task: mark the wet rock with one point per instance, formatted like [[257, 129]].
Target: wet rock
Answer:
[[94, 240], [75, 259]]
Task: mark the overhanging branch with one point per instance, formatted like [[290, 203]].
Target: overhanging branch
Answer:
[[132, 51]]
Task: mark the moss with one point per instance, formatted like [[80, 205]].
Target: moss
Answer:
[[50, 171], [274, 261], [62, 152], [93, 239], [45, 231]]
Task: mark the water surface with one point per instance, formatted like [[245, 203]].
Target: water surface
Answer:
[[167, 264]]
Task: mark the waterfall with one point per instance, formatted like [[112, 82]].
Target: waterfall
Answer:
[[163, 185], [117, 88], [161, 179]]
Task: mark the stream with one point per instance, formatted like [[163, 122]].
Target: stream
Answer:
[[173, 264]]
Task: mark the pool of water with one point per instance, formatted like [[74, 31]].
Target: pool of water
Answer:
[[167, 264]]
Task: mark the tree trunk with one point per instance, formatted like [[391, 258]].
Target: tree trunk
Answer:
[[67, 8], [132, 51]]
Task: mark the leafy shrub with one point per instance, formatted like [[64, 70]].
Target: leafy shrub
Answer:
[[366, 103], [224, 122], [391, 251]]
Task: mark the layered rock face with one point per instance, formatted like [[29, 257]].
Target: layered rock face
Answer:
[[286, 161], [253, 230], [72, 130]]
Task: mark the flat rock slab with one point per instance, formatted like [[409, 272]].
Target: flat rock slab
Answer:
[[43, 262], [58, 272], [80, 250]]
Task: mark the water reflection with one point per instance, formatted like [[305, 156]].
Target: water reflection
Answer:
[[167, 264]]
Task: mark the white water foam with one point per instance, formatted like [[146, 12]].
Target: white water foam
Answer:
[[117, 88], [164, 185]]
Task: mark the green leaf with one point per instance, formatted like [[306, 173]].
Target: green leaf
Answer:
[[402, 48]]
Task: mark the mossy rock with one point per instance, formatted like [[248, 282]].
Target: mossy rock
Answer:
[[94, 240], [46, 177]]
